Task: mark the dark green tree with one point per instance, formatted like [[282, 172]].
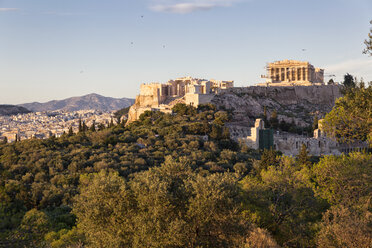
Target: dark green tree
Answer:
[[274, 122], [268, 158], [303, 157], [70, 131], [349, 81], [351, 117], [80, 129], [111, 123], [93, 127], [84, 127], [368, 43]]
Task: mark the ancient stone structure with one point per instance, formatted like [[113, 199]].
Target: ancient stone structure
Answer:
[[290, 144], [188, 90], [259, 138], [293, 72]]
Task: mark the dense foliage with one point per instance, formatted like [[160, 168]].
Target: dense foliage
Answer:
[[178, 181], [351, 117], [368, 43]]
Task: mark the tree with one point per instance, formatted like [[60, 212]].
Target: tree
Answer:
[[303, 157], [268, 158], [344, 179], [351, 117], [93, 127], [80, 129], [331, 82], [84, 127], [282, 200], [349, 81], [274, 122], [5, 140], [104, 210], [70, 131], [167, 206], [368, 43], [111, 122], [344, 227]]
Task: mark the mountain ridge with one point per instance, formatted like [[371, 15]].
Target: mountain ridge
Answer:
[[7, 109], [85, 102]]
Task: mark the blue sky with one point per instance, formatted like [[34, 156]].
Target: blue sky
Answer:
[[53, 49]]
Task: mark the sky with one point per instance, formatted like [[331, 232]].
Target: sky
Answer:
[[53, 49]]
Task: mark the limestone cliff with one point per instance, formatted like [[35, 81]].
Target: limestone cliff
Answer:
[[297, 103]]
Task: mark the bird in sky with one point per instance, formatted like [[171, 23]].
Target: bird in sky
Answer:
[[303, 49]]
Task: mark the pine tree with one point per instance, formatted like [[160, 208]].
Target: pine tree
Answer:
[[274, 120], [5, 140], [303, 157], [70, 131], [80, 126], [111, 122], [85, 127], [101, 127], [93, 127], [368, 43]]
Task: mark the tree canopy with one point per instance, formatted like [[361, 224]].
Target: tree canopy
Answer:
[[351, 117], [368, 43]]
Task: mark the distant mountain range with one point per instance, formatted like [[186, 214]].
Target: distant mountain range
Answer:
[[12, 110], [91, 101]]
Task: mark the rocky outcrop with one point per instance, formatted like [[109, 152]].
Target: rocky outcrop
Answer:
[[294, 103]]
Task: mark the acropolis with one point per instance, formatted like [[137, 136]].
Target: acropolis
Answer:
[[188, 90], [293, 72]]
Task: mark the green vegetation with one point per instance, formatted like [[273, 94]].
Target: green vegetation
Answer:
[[351, 117], [368, 43], [178, 181]]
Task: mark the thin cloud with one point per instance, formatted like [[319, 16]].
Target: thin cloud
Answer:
[[8, 9], [63, 13], [174, 6], [356, 67]]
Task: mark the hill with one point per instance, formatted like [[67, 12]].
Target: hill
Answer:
[[91, 101], [13, 110], [295, 104]]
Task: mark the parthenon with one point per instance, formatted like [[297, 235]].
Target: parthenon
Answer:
[[293, 72]]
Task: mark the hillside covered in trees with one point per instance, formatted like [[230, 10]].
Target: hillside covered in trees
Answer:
[[178, 181]]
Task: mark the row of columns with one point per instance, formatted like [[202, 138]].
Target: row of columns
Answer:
[[290, 74]]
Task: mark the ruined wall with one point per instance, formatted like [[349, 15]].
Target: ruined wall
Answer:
[[291, 145]]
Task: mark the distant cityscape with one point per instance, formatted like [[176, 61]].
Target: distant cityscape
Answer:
[[43, 125]]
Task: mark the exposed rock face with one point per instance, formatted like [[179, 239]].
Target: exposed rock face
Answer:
[[297, 103], [12, 110]]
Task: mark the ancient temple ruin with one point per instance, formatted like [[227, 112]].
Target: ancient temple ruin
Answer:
[[293, 72], [188, 90]]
